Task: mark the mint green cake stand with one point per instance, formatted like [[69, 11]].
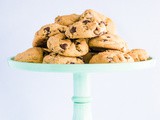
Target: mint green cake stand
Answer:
[[82, 92]]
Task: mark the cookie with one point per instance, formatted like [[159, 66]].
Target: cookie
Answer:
[[91, 24], [108, 41], [111, 56], [95, 16], [138, 54], [42, 35], [33, 55], [67, 20], [66, 47], [53, 58]]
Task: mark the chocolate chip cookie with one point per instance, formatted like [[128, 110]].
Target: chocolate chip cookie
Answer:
[[111, 56], [67, 20], [108, 41], [53, 58], [95, 16], [42, 35], [66, 47], [76, 39], [91, 24], [33, 55], [138, 54]]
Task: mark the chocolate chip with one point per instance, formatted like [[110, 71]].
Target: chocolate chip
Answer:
[[102, 22], [86, 21], [47, 29], [104, 40], [73, 30], [108, 37], [63, 46], [72, 63]]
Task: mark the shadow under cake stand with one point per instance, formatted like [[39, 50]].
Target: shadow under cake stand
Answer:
[[82, 92]]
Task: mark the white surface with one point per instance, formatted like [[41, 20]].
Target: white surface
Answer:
[[46, 96]]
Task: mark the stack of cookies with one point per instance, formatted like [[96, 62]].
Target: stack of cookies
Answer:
[[78, 39]]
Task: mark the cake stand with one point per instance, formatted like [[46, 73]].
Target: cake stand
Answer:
[[82, 92]]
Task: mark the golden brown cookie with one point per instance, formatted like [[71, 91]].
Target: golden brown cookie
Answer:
[[108, 41], [111, 56], [42, 35], [53, 58], [138, 54], [91, 24], [95, 16], [34, 55], [67, 20], [66, 47]]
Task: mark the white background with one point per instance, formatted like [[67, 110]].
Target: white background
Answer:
[[47, 96]]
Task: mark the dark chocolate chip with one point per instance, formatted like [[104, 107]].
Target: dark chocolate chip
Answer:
[[47, 29], [86, 21], [73, 30], [63, 46], [108, 37], [102, 22], [72, 63], [104, 40]]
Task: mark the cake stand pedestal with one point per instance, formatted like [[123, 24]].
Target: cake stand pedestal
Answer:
[[82, 90]]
